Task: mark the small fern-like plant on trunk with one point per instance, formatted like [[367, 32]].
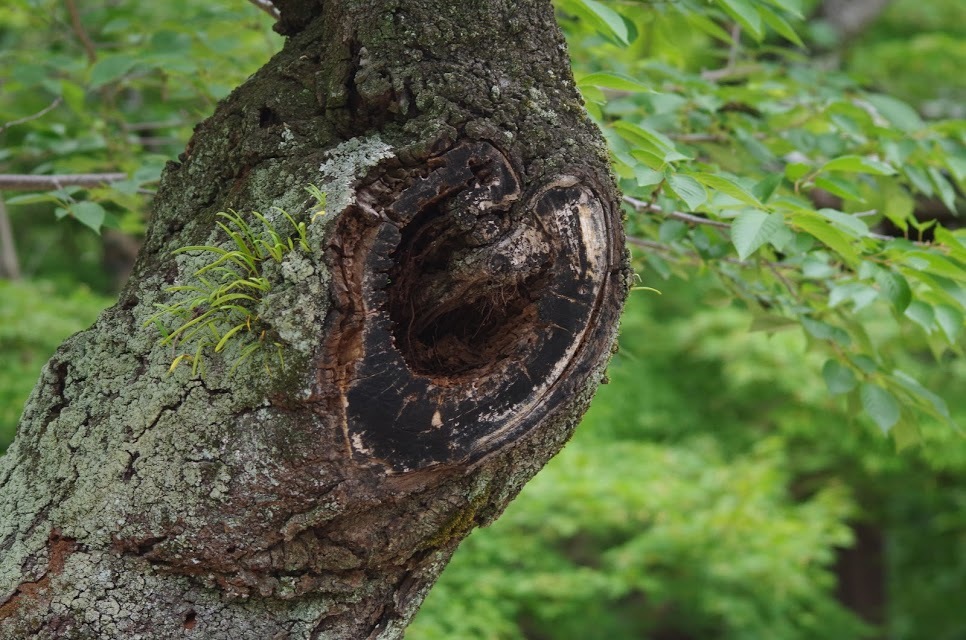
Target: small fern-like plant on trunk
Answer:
[[222, 298]]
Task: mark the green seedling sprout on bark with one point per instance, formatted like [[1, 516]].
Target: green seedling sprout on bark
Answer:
[[319, 209], [225, 293]]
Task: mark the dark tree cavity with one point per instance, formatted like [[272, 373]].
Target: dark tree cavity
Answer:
[[442, 338]]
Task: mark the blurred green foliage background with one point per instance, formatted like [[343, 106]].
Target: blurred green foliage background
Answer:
[[716, 489]]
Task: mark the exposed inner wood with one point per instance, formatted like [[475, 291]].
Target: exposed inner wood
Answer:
[[463, 305], [463, 287]]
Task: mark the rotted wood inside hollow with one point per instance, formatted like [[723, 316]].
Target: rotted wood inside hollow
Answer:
[[466, 306]]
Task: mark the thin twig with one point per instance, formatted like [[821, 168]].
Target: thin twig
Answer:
[[40, 114], [80, 32], [9, 264], [26, 182], [640, 205], [267, 7]]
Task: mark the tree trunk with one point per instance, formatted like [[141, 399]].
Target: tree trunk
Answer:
[[441, 336]]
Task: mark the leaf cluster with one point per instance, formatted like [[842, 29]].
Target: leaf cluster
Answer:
[[801, 190], [126, 105]]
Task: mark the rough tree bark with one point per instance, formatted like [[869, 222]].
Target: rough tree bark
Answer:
[[442, 336]]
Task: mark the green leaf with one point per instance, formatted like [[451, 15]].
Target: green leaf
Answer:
[[745, 14], [647, 177], [649, 140], [861, 295], [110, 68], [651, 161], [946, 192], [922, 314], [795, 171], [828, 234], [824, 331], [688, 189], [752, 229], [895, 289], [880, 405], [897, 112], [950, 320], [845, 189], [906, 434], [610, 80], [846, 221], [919, 179], [671, 231], [780, 25], [858, 164], [956, 166], [793, 7], [33, 198], [767, 186], [865, 363], [727, 186], [74, 97], [838, 378], [915, 387], [703, 23], [89, 213], [607, 21]]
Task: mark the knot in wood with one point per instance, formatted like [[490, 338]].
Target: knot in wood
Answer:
[[466, 306]]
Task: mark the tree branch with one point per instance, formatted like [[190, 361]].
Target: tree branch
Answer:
[[80, 32], [267, 7], [640, 205], [40, 114], [26, 182]]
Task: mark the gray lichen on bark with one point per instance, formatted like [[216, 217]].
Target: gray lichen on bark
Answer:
[[324, 500]]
